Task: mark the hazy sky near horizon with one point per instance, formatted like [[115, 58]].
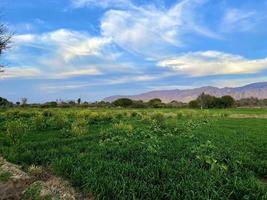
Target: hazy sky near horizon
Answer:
[[66, 49]]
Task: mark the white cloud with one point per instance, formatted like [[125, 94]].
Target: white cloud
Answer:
[[59, 54], [67, 43], [153, 31], [80, 72], [62, 87], [240, 20], [101, 3], [213, 63], [15, 72]]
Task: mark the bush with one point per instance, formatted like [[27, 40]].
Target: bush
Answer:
[[15, 130], [65, 133], [39, 123], [58, 121], [158, 118], [79, 127], [121, 128]]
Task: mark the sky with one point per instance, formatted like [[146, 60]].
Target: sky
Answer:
[[91, 49]]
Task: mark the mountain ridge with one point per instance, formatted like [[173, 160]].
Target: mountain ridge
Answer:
[[257, 90]]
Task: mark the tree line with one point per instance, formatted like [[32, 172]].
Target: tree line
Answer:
[[203, 101]]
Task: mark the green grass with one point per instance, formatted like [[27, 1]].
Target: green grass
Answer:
[[148, 154], [4, 176]]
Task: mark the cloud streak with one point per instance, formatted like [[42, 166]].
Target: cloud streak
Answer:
[[154, 31], [102, 3], [208, 63], [240, 20], [59, 54]]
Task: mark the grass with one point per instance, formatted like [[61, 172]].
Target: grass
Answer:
[[4, 176], [146, 154]]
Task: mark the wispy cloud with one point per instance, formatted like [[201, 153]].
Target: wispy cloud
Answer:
[[59, 54], [208, 63], [20, 72], [102, 3], [154, 31], [241, 20]]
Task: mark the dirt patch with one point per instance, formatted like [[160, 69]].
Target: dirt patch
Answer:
[[38, 183], [15, 183]]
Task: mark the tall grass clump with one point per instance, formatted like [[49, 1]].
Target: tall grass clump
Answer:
[[15, 130]]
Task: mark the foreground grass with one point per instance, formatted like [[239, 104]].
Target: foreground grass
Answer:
[[147, 154]]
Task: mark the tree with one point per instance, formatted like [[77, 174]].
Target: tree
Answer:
[[175, 104], [206, 101], [5, 39], [193, 104], [79, 101], [52, 104], [24, 101], [155, 103], [227, 101], [139, 104], [4, 102], [123, 102]]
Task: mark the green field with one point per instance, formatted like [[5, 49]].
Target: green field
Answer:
[[146, 153]]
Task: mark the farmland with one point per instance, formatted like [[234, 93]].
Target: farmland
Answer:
[[143, 153]]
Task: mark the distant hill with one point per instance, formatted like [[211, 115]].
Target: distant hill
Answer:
[[258, 90]]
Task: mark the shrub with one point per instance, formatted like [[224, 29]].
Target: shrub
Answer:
[[15, 130], [121, 128], [39, 123], [65, 133], [47, 113], [79, 127], [96, 118], [158, 118], [58, 121]]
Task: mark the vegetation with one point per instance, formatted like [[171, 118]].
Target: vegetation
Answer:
[[5, 103], [143, 153], [123, 102], [4, 176], [207, 101], [204, 101]]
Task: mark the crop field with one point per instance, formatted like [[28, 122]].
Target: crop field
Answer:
[[144, 153]]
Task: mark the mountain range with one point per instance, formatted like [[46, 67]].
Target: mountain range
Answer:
[[257, 90]]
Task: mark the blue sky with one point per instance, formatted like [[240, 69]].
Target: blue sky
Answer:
[[66, 49]]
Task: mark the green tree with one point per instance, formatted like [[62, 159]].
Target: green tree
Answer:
[[4, 102], [227, 101], [139, 104], [194, 104], [155, 103], [123, 102], [206, 101]]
